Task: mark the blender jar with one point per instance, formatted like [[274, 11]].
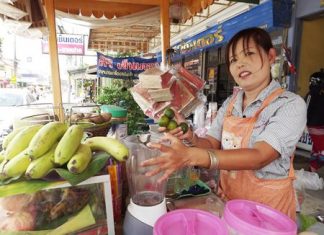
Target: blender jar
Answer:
[[144, 190]]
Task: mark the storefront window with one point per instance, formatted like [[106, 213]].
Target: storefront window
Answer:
[[193, 64]]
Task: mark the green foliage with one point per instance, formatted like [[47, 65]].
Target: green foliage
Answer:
[[118, 94]]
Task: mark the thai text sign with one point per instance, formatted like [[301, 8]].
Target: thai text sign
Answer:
[[124, 67], [67, 44]]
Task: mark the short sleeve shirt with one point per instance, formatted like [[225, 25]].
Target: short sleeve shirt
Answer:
[[280, 125]]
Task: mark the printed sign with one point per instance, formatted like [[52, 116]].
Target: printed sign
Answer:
[[123, 68], [67, 44], [305, 141]]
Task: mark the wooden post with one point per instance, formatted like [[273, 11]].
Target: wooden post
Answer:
[[55, 70], [165, 29]]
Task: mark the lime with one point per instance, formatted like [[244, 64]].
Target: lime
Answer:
[[184, 127], [163, 121], [169, 113], [172, 125]]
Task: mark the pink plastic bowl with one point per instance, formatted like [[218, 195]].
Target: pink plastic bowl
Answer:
[[189, 222], [252, 218]]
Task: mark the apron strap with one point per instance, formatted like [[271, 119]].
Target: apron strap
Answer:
[[291, 173], [231, 106], [269, 99]]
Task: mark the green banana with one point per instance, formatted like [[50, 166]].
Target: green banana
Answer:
[[17, 165], [10, 136], [45, 139], [112, 146], [68, 144], [80, 160], [40, 167], [21, 141]]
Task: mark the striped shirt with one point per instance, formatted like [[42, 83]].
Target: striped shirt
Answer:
[[280, 125]]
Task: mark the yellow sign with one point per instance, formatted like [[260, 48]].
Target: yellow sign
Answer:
[[13, 79], [322, 3]]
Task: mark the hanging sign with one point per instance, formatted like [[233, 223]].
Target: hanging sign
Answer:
[[67, 44], [122, 68]]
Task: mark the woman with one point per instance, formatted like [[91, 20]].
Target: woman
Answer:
[[253, 136]]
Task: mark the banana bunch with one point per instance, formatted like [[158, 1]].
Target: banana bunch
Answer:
[[34, 150], [23, 146]]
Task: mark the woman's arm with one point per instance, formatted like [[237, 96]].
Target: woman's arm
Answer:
[[177, 155]]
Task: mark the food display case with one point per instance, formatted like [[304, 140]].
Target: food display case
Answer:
[[57, 207]]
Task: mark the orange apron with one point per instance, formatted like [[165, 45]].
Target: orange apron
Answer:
[[243, 184]]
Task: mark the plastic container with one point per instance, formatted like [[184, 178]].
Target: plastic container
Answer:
[[116, 111], [245, 217], [189, 222]]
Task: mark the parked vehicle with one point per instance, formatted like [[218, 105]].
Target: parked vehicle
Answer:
[[17, 104]]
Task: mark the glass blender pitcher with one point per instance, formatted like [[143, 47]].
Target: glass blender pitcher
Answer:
[[147, 202]]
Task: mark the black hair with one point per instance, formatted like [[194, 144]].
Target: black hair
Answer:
[[261, 38]]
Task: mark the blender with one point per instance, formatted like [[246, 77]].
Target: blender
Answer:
[[147, 201]]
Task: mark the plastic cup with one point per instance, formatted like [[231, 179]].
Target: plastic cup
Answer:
[[245, 217], [189, 222]]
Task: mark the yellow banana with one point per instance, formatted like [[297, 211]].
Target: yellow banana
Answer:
[[17, 165], [112, 146], [21, 141], [80, 160], [45, 138], [10, 136], [68, 144], [40, 167]]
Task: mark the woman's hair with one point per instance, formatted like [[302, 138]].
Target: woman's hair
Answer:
[[259, 36]]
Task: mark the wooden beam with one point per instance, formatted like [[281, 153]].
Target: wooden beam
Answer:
[[165, 29], [55, 70]]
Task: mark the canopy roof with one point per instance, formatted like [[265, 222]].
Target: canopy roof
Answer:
[[118, 25]]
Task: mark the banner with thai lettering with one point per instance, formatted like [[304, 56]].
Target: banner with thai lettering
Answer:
[[124, 67]]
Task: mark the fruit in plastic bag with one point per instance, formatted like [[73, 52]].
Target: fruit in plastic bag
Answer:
[[184, 127], [169, 113], [163, 121], [172, 125]]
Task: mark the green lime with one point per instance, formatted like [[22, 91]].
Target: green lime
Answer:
[[184, 127], [163, 121], [172, 125], [169, 113]]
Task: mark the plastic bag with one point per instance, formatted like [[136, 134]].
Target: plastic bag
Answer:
[[199, 117], [308, 180], [158, 89]]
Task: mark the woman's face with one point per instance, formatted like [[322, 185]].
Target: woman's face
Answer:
[[250, 67]]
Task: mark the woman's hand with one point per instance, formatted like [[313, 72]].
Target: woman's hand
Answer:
[[172, 158]]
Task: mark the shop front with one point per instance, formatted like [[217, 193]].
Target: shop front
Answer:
[[204, 53]]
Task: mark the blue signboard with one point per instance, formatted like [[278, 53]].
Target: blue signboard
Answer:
[[124, 67], [269, 15]]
